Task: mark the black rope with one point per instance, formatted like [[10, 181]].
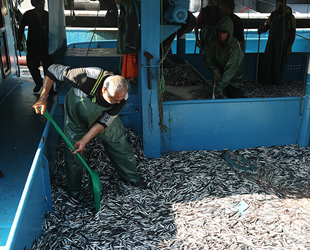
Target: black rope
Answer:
[[160, 76], [94, 31]]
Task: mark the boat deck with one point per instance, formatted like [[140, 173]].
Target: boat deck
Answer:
[[20, 132]]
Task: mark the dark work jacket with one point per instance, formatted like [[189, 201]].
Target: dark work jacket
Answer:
[[128, 27], [209, 18], [84, 79], [238, 29]]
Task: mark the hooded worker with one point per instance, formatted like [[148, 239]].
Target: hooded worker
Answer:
[[282, 29], [91, 110], [223, 57]]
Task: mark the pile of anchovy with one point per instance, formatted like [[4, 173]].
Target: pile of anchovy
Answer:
[[183, 74], [193, 200], [286, 89]]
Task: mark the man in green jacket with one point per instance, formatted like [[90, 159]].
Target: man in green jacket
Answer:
[[223, 57]]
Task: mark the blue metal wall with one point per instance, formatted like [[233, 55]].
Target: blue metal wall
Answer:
[[231, 123], [215, 124], [224, 123], [36, 197]]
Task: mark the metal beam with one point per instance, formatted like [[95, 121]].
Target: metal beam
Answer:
[[150, 42], [304, 132]]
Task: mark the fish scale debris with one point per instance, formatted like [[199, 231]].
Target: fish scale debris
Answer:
[[194, 200]]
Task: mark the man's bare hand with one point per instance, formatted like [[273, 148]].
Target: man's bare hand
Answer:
[[79, 147], [40, 104]]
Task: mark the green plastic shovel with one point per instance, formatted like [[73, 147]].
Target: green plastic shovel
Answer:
[[94, 180]]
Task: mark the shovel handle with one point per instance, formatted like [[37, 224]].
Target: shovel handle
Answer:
[[62, 134], [213, 90]]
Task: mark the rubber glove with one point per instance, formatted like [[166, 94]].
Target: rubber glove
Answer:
[[217, 77], [218, 92]]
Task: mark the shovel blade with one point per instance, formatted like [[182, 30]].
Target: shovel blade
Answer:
[[95, 188], [94, 180]]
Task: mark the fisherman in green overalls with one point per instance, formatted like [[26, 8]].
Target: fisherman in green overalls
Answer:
[[282, 30], [91, 110]]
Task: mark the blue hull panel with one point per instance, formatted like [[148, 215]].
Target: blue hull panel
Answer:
[[233, 124], [25, 163]]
